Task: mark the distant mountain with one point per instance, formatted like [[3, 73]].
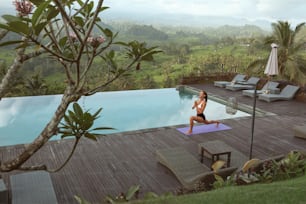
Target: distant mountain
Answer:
[[146, 32], [149, 18], [246, 31], [184, 20]]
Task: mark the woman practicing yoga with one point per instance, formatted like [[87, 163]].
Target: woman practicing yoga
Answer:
[[200, 106]]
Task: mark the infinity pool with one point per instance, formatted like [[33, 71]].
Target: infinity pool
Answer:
[[22, 118]]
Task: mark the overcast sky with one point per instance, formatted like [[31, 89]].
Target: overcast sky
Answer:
[[293, 11]]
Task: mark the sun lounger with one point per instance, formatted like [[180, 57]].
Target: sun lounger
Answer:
[[300, 131], [32, 187], [270, 85], [286, 94], [249, 84], [237, 78], [188, 169]]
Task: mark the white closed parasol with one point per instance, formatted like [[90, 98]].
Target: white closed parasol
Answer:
[[272, 65]]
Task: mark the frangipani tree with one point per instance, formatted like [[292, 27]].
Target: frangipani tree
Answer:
[[63, 30]]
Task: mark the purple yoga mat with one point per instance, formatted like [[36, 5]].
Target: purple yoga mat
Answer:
[[204, 129]]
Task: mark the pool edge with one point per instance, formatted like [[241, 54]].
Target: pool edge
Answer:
[[242, 107]]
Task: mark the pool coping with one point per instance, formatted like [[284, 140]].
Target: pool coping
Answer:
[[242, 107]]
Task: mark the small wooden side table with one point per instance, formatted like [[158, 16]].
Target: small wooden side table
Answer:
[[215, 149]]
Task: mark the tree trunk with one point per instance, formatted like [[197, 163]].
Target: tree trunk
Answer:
[[50, 130], [11, 73]]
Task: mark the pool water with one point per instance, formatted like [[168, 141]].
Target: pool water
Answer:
[[23, 118]]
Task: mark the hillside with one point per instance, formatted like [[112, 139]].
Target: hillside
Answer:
[[186, 51]]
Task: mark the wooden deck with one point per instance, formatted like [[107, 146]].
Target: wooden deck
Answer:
[[117, 161]]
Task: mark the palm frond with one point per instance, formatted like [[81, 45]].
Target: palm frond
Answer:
[[257, 66], [292, 65]]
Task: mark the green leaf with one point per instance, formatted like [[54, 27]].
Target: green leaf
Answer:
[[65, 132], [103, 8], [87, 121], [219, 178], [78, 110], [111, 54], [19, 27], [97, 113], [67, 135], [37, 2], [79, 21], [53, 12], [62, 41], [107, 32], [10, 42], [90, 136], [74, 118], [80, 2], [121, 43], [81, 200], [78, 123], [98, 19], [39, 27], [4, 26], [147, 57], [68, 54], [64, 127], [67, 120], [150, 195], [114, 36], [131, 192], [110, 200], [39, 12], [11, 18], [89, 7], [104, 128]]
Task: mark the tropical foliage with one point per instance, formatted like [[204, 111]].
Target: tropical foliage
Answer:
[[293, 165], [255, 170], [70, 33], [36, 85], [291, 62]]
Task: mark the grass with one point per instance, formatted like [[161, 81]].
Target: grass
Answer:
[[291, 191]]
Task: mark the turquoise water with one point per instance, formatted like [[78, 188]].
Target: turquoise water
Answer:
[[22, 118]]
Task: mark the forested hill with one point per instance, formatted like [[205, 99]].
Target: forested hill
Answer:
[[145, 32], [186, 50], [156, 32], [161, 33]]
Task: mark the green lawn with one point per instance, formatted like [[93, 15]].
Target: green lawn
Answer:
[[286, 192]]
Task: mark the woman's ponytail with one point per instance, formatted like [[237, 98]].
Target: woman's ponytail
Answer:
[[205, 96]]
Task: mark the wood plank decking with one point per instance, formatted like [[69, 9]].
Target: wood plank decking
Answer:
[[117, 161]]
